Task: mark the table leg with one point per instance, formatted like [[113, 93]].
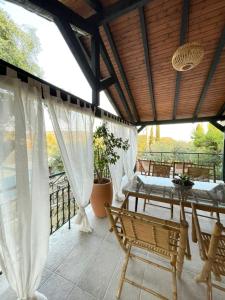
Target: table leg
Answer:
[[136, 204], [193, 232]]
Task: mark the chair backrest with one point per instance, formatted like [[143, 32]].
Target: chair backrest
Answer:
[[144, 166], [199, 173], [161, 170], [178, 168], [150, 233], [211, 246]]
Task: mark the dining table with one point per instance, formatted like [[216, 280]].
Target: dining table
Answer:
[[206, 196]]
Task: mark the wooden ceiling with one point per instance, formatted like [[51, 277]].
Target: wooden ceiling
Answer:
[[140, 38]]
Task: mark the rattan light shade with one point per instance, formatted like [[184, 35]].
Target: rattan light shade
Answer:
[[187, 56]]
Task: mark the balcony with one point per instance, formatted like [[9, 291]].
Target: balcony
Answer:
[[87, 266]]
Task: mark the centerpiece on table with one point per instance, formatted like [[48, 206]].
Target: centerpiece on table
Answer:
[[183, 182], [105, 153]]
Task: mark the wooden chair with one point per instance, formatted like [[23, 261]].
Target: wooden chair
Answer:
[[178, 168], [212, 252], [199, 173], [163, 238], [144, 166], [160, 171]]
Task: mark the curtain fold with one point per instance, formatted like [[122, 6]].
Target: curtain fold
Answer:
[[126, 163], [74, 133], [24, 190]]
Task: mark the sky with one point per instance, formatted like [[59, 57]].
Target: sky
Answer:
[[61, 69]]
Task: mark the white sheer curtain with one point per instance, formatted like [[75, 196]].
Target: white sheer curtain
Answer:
[[74, 133], [24, 198], [125, 165], [130, 156]]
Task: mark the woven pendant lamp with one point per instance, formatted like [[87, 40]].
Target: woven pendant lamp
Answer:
[[187, 56]]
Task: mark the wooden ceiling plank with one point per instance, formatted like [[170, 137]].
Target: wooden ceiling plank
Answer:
[[147, 60], [212, 70], [183, 34], [179, 121], [112, 72], [116, 10], [121, 69]]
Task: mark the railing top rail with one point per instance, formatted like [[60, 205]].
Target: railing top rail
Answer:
[[56, 174], [174, 152]]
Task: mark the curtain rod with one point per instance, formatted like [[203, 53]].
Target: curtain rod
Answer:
[[23, 76]]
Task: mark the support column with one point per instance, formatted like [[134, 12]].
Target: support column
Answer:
[[95, 64]]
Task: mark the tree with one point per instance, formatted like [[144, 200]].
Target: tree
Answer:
[[157, 133], [211, 141], [19, 46]]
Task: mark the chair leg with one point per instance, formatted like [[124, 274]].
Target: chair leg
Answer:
[[124, 269], [144, 204], [209, 288], [174, 282], [218, 216]]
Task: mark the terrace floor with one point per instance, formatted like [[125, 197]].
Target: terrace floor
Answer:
[[87, 267]]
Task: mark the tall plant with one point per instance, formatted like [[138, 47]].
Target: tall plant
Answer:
[[105, 150]]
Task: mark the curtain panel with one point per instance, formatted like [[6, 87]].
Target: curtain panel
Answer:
[[24, 190], [74, 132], [126, 163]]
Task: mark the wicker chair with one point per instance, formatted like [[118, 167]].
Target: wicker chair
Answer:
[[199, 173], [212, 252], [160, 171], [178, 168], [144, 166], [166, 239]]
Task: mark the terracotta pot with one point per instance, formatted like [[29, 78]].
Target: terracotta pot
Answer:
[[101, 193]]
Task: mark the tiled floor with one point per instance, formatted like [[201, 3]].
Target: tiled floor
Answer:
[[87, 267]]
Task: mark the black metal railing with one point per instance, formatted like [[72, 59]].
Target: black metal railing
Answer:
[[62, 203], [199, 158]]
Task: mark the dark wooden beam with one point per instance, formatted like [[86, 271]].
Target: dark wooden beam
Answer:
[[179, 121], [70, 38], [52, 8], [116, 10], [183, 34], [106, 82], [221, 110], [121, 70], [95, 5], [95, 63], [109, 65], [212, 70], [218, 126], [223, 166], [141, 128], [147, 60]]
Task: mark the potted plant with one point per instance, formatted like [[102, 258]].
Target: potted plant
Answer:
[[105, 153], [183, 182]]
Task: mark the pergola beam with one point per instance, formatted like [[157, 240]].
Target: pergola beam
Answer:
[[179, 121], [147, 60], [116, 10], [183, 34], [215, 62], [121, 69], [95, 64], [95, 5], [141, 128], [70, 38], [52, 8], [221, 110], [112, 72], [106, 82], [218, 126]]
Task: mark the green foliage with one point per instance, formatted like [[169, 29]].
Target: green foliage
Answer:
[[19, 47], [105, 146], [211, 141], [55, 162], [183, 180]]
